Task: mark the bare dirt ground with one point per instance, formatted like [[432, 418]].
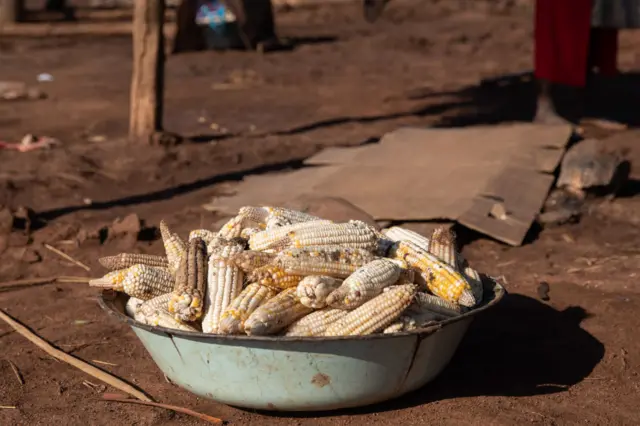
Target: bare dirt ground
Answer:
[[572, 359]]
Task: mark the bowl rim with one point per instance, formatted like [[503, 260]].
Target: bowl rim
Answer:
[[107, 298]]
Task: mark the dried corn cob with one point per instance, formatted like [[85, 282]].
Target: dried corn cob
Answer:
[[314, 289], [334, 261], [159, 302], [162, 318], [274, 276], [132, 306], [376, 314], [233, 318], [440, 278], [443, 246], [146, 282], [218, 244], [276, 314], [354, 234], [250, 260], [224, 284], [364, 284], [278, 238], [114, 280], [404, 323], [205, 234], [126, 260], [191, 278], [396, 233], [473, 278], [173, 245], [248, 232], [427, 302], [275, 216], [233, 227], [315, 323]]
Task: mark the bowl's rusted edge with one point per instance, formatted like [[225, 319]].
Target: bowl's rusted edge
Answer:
[[107, 297]]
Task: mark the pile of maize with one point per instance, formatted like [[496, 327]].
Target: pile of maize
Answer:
[[275, 271]]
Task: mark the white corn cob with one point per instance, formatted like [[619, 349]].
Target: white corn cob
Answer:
[[224, 284], [443, 246], [376, 314], [440, 278], [473, 278], [218, 244], [334, 261], [113, 280], [314, 289], [204, 234], [355, 233], [162, 318], [276, 314], [396, 233], [315, 323], [127, 260], [404, 323], [233, 318], [250, 260], [248, 232], [428, 302], [275, 216], [274, 276], [233, 227], [132, 306], [140, 281], [364, 284], [278, 238], [173, 245], [159, 302]]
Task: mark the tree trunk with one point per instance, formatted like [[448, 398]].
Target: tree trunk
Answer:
[[147, 82], [11, 11]]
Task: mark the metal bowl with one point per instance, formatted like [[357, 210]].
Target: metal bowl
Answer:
[[301, 373]]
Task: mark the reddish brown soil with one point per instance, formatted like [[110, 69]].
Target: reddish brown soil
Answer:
[[573, 359]]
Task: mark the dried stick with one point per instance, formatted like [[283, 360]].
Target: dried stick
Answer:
[[97, 361], [79, 364], [16, 372], [45, 280], [8, 407], [122, 398], [66, 256]]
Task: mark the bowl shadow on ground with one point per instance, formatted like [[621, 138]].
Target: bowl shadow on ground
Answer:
[[521, 347]]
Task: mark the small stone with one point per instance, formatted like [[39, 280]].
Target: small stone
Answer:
[[130, 225]]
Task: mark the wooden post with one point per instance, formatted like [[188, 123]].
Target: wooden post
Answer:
[[147, 82], [11, 11]]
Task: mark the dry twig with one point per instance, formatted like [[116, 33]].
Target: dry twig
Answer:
[[16, 372], [67, 257], [97, 361], [79, 364], [12, 407], [38, 281], [122, 398]]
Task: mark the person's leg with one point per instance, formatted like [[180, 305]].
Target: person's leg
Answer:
[[561, 47]]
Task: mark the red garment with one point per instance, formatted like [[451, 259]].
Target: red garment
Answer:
[[562, 37]]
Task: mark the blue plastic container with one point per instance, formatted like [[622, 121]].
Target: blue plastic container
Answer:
[[219, 25]]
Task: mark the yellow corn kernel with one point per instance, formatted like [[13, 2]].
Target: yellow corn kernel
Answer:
[[278, 238], [250, 260], [114, 280], [233, 228], [440, 278], [443, 246], [146, 282], [396, 233], [206, 235], [274, 276]]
